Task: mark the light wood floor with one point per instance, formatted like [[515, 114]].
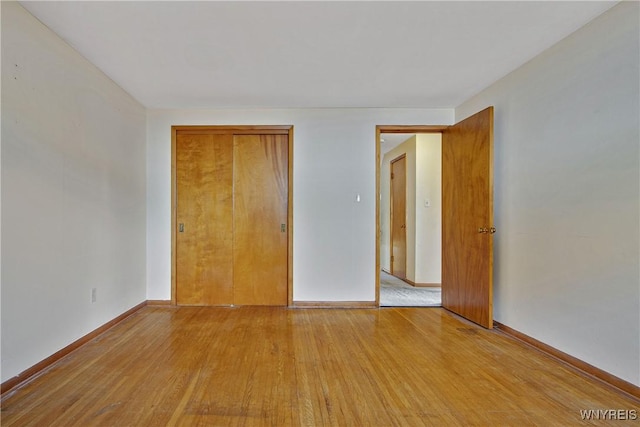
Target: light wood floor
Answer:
[[306, 367]]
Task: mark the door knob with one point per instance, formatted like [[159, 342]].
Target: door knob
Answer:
[[485, 230], [181, 228]]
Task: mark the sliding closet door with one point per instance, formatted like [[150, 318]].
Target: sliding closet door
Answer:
[[204, 217], [260, 242]]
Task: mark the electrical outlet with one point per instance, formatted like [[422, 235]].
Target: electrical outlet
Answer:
[[94, 295]]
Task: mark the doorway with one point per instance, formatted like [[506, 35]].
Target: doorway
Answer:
[[410, 219], [467, 214]]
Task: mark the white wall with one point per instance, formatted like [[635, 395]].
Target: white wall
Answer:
[[428, 218], [73, 194], [334, 159], [567, 194]]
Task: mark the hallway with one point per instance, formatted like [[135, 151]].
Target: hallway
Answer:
[[398, 293]]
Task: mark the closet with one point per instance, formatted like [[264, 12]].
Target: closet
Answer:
[[231, 215]]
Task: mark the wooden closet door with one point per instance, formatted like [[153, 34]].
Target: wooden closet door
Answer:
[[204, 219], [260, 219]]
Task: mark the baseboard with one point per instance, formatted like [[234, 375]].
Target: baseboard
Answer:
[[423, 285], [618, 383], [334, 304], [40, 366], [414, 284], [159, 302]]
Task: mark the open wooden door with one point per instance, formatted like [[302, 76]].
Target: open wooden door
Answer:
[[467, 218]]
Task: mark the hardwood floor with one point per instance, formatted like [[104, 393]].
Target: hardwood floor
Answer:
[[274, 366]]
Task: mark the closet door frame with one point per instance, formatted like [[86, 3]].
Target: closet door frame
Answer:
[[234, 130]]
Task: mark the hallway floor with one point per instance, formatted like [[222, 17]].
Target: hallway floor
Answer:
[[397, 293]]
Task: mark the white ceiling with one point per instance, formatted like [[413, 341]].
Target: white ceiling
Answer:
[[216, 54]]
